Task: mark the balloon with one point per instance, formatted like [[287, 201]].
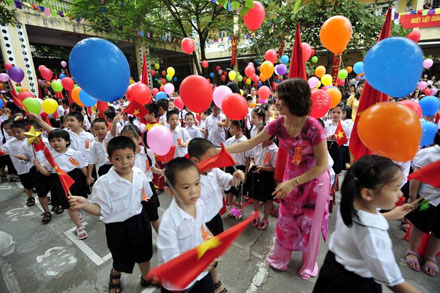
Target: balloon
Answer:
[[427, 63], [87, 99], [100, 68], [336, 33], [342, 74], [49, 106], [340, 81], [394, 66], [264, 92], [239, 78], [220, 93], [422, 85], [179, 103], [267, 69], [313, 82], [2, 104], [169, 88], [64, 65], [196, 93], [262, 78], [223, 78], [385, 127], [211, 75], [429, 129], [306, 51], [217, 68], [139, 92], [156, 66], [248, 81], [61, 76], [285, 59], [32, 105], [155, 91], [429, 105], [8, 65], [335, 97], [57, 86], [249, 71], [320, 71], [187, 45], [326, 80], [159, 139], [169, 77], [314, 59], [163, 81], [427, 91], [434, 91], [171, 71], [205, 64], [220, 72], [235, 106], [67, 83], [24, 95], [414, 36], [281, 69], [271, 55], [16, 74], [255, 16], [75, 96], [358, 67], [161, 95], [152, 72], [4, 77], [349, 69], [255, 78], [232, 75], [321, 101], [164, 73], [413, 105]]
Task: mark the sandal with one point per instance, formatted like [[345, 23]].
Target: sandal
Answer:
[[430, 269], [30, 201], [413, 264], [116, 287], [58, 209], [218, 285], [47, 216], [263, 225], [255, 222], [81, 233], [146, 283]]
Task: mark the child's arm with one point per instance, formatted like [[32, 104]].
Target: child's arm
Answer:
[[40, 121], [237, 177], [264, 168], [414, 186], [41, 168], [84, 171], [79, 202], [157, 171], [405, 287], [90, 179], [398, 212], [23, 157]]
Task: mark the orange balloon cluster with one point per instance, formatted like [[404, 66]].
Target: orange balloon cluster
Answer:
[[75, 96], [336, 33]]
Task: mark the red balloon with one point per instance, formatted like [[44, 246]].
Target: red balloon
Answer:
[[67, 83], [223, 77], [41, 67], [264, 92], [255, 78], [187, 45], [196, 93], [306, 51], [235, 106], [271, 55], [427, 91], [249, 71], [164, 73], [254, 17], [162, 88], [153, 72], [274, 85], [414, 36], [205, 64], [179, 103], [313, 52], [155, 91], [139, 92], [244, 79], [163, 80], [46, 73], [217, 68], [321, 101], [413, 105], [8, 66], [24, 95]]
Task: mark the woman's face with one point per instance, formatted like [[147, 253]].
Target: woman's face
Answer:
[[282, 107], [360, 88]]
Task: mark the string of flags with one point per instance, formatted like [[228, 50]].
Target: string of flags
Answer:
[[423, 12]]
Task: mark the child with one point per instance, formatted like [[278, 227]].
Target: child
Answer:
[[183, 223], [213, 132], [116, 199], [260, 179], [258, 118], [192, 130], [151, 117], [73, 163], [162, 106], [181, 137], [360, 249], [98, 154], [213, 183], [5, 160]]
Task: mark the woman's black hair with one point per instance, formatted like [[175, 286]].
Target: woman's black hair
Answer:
[[59, 133], [358, 95], [295, 92], [4, 123], [175, 166], [371, 172]]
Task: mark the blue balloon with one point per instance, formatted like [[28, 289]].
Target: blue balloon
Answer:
[[429, 130], [358, 67], [87, 99], [175, 79], [61, 76], [211, 75], [1, 103], [260, 83], [161, 95], [394, 66], [285, 59], [100, 68], [429, 105]]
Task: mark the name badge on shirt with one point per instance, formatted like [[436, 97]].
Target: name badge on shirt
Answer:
[[297, 155], [267, 159], [179, 142], [205, 234], [73, 161], [87, 144], [144, 195]]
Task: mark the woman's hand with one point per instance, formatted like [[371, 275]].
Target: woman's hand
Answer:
[[283, 190]]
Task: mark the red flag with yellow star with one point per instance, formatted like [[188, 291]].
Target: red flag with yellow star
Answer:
[[341, 138], [136, 109], [65, 179], [221, 160]]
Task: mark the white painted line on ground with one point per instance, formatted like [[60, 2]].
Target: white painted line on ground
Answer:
[[84, 247], [148, 290], [9, 278], [107, 257], [259, 278]]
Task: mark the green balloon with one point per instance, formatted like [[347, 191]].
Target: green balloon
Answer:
[[239, 78], [342, 74], [57, 86], [18, 89], [159, 82], [75, 85], [169, 77], [314, 59], [32, 105]]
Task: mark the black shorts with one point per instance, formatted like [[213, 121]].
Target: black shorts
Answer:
[[5, 160], [41, 182], [215, 225], [26, 180], [235, 190], [205, 285], [152, 205], [79, 188], [130, 242], [427, 220], [260, 185]]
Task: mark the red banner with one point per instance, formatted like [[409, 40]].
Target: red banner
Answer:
[[417, 20], [335, 67], [234, 50]]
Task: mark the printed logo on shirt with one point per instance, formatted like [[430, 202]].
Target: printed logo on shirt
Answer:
[[87, 144], [73, 161]]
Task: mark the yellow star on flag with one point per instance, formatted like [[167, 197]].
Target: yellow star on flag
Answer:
[[33, 136], [340, 134], [207, 245], [136, 112]]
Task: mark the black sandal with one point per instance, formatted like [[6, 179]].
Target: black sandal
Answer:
[[116, 286], [218, 285], [30, 201], [47, 216], [58, 210]]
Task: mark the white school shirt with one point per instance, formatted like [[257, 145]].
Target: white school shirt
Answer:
[[15, 147], [180, 132], [194, 132], [29, 149], [240, 158], [366, 248], [425, 157], [213, 184], [67, 161], [143, 163], [348, 128], [118, 198], [163, 120], [81, 142], [260, 154], [61, 111], [98, 151], [178, 233], [216, 134], [6, 136], [330, 128], [405, 167]]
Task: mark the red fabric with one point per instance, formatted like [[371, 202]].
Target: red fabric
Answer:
[[341, 138], [101, 107], [297, 65], [2, 153], [39, 146], [144, 71], [65, 179], [280, 164], [221, 160], [45, 118], [429, 174], [69, 97], [182, 270], [369, 96], [167, 157], [136, 109]]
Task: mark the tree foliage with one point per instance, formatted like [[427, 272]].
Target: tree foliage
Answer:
[[7, 15]]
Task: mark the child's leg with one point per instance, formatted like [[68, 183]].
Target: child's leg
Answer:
[[218, 286], [115, 281], [433, 249], [267, 208], [28, 192], [44, 203]]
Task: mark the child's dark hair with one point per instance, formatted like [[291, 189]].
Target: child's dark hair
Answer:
[[295, 92], [172, 112], [110, 113], [162, 103], [261, 113], [75, 108], [175, 166], [340, 105], [59, 133], [77, 115], [190, 114], [66, 102], [4, 123], [371, 172], [35, 124], [120, 143], [20, 123], [19, 111], [240, 124], [198, 146], [153, 109], [99, 120], [131, 129]]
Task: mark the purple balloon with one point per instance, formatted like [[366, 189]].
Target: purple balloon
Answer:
[[16, 74], [281, 68], [63, 64], [4, 77]]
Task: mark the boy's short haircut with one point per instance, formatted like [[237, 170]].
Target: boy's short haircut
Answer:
[[99, 120], [162, 103], [120, 143], [198, 146], [153, 109], [59, 133], [75, 108], [175, 166], [22, 124], [190, 114], [35, 124], [77, 115], [340, 105], [249, 98], [172, 112]]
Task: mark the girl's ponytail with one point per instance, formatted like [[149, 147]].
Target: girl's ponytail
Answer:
[[349, 191]]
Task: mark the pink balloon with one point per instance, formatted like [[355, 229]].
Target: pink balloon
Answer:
[[249, 70], [178, 103], [220, 72], [220, 93], [187, 45], [313, 82], [254, 18], [427, 63], [422, 85], [271, 55], [155, 91], [306, 51], [413, 105], [4, 77], [159, 139], [264, 92], [434, 91], [169, 88], [205, 64], [63, 64]]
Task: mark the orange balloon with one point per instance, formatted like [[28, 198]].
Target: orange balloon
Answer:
[[320, 71], [391, 130], [335, 95], [252, 105], [75, 96], [23, 89], [262, 77], [266, 69], [2, 86], [336, 33], [349, 69]]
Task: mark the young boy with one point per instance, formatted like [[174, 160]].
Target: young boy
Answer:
[[162, 106], [181, 137], [213, 183], [116, 199], [213, 131], [183, 223], [98, 153], [151, 117], [192, 130]]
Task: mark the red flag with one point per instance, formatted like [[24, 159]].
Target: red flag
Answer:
[[144, 71], [65, 179], [45, 118], [136, 109], [2, 153], [222, 159], [429, 174], [182, 270], [369, 96], [341, 138], [167, 157], [297, 65], [101, 107]]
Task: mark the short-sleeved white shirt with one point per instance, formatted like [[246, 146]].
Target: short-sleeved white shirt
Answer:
[[182, 134], [67, 161], [98, 151], [15, 147], [143, 163], [213, 184], [81, 142], [194, 132], [240, 158], [216, 134], [265, 156], [425, 157]]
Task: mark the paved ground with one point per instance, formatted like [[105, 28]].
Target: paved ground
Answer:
[[49, 258]]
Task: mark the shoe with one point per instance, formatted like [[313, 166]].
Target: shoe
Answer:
[[47, 216], [430, 269], [414, 264], [263, 225], [255, 222], [81, 233]]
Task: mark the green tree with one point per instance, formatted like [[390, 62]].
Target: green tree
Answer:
[[7, 15]]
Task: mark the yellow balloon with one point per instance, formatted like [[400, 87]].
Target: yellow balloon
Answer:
[[232, 74], [171, 71], [318, 85], [248, 81], [131, 81], [49, 106], [241, 92], [267, 69], [327, 80], [157, 66]]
